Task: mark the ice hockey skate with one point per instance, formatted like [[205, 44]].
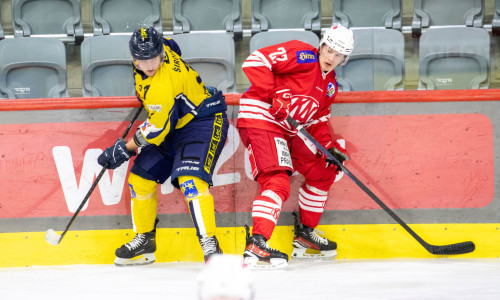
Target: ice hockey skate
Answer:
[[308, 244], [258, 254], [210, 246], [139, 251]]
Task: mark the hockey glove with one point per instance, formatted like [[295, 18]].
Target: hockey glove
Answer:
[[281, 101], [340, 156], [115, 156]]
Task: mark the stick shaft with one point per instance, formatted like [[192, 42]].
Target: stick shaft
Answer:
[[97, 179], [448, 249]]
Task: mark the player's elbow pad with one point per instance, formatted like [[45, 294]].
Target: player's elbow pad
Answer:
[[139, 139]]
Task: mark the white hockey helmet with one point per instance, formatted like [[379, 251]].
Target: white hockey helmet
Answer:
[[339, 38]]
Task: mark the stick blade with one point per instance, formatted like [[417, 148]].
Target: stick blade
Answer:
[[459, 248], [52, 237]]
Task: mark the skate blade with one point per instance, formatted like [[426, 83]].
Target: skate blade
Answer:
[[305, 253], [144, 259], [275, 263]]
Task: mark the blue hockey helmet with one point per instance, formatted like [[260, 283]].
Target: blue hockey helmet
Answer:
[[145, 44]]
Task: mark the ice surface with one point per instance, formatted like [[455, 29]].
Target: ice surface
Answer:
[[337, 279]]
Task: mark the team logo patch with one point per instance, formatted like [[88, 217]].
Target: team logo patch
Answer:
[[132, 192], [331, 89], [144, 34], [189, 189], [154, 107], [304, 108], [306, 56], [145, 125]]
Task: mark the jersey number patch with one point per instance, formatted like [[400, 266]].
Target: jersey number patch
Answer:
[[279, 55]]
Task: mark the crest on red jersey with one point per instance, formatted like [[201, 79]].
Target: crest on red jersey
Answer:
[[331, 89], [303, 108]]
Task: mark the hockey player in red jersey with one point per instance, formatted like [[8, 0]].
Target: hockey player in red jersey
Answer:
[[296, 79]]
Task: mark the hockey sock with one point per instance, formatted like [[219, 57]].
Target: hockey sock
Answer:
[[144, 203], [265, 213], [201, 204], [311, 205], [275, 189]]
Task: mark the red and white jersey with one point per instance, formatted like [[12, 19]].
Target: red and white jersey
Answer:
[[292, 65]]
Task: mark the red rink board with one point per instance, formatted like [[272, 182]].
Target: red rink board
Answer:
[[418, 161], [410, 161]]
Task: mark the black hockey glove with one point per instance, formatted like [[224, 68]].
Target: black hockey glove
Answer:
[[338, 155], [115, 156]]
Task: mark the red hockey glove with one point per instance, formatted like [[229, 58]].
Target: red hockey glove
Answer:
[[281, 101]]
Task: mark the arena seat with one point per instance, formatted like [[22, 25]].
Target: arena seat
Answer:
[[120, 16], [212, 55], [368, 13], [207, 15], [495, 24], [291, 14], [376, 63], [107, 68], [47, 17], [454, 58], [32, 67], [2, 35], [268, 38], [429, 13]]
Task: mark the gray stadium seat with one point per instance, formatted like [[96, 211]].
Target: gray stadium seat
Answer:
[[264, 39], [2, 35], [428, 13], [32, 67], [454, 58], [290, 14], [212, 56], [42, 17], [495, 24], [119, 16], [376, 63], [207, 15], [368, 13], [107, 68]]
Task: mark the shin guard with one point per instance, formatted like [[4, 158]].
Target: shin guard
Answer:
[[311, 205], [265, 213], [144, 202], [275, 189], [201, 204]]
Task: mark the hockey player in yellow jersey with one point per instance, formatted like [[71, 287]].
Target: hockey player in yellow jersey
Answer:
[[182, 138]]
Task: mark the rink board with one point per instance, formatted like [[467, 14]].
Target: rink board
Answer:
[[427, 165], [180, 244], [433, 163]]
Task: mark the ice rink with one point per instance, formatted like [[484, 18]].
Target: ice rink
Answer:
[[338, 279]]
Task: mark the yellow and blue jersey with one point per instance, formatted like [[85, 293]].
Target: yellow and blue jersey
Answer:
[[173, 97]]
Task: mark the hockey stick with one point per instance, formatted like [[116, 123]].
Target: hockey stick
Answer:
[[50, 235], [458, 248]]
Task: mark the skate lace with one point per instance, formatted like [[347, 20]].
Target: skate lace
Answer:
[[136, 242], [318, 239], [208, 245], [265, 245]]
